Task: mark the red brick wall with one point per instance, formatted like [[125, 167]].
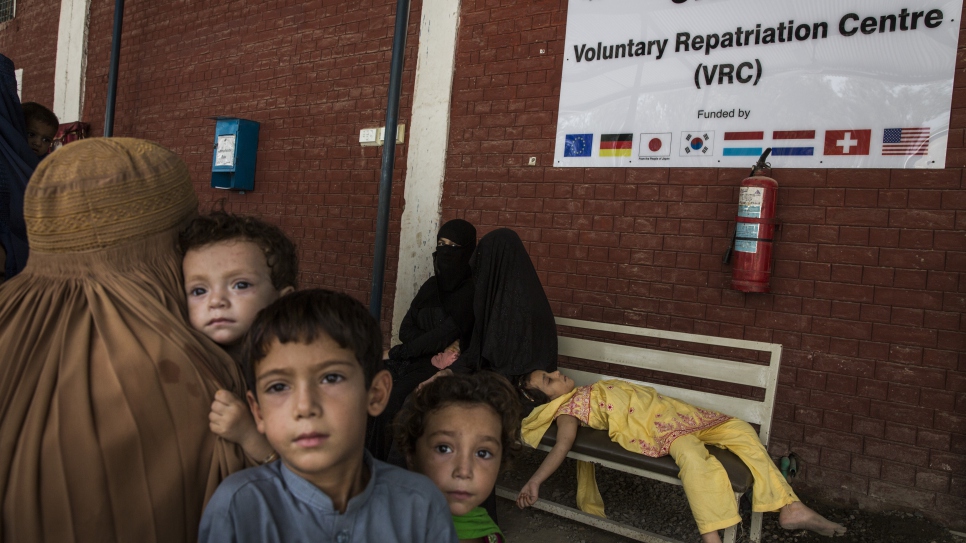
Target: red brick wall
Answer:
[[312, 73], [868, 294], [30, 40]]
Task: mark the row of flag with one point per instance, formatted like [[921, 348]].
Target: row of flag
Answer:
[[895, 142]]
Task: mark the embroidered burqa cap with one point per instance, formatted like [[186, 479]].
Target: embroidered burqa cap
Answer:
[[104, 388], [104, 193]]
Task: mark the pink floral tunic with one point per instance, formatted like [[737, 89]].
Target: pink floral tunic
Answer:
[[637, 417]]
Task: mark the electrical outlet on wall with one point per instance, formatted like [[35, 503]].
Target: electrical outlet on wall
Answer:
[[367, 136]]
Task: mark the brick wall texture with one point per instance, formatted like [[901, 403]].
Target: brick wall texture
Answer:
[[311, 73], [869, 287], [30, 40]]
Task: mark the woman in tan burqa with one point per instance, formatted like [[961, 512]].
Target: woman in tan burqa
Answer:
[[104, 389]]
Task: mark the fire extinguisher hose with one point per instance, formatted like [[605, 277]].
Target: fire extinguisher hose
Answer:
[[761, 164], [726, 259]]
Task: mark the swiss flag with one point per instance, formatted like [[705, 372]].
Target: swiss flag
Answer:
[[847, 142]]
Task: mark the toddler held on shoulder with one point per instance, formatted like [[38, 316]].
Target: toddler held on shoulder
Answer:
[[234, 266]]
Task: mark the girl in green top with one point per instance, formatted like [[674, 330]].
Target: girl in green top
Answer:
[[459, 430]]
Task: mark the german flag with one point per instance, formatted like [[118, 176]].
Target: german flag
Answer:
[[616, 144]]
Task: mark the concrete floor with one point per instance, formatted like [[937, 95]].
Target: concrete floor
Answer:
[[533, 526]]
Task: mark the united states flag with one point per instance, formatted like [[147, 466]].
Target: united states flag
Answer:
[[905, 141]]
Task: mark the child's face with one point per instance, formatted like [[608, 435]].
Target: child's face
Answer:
[[312, 405], [39, 136], [460, 450], [554, 385], [227, 284]]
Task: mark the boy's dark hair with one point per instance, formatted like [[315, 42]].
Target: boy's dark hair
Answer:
[[530, 397], [217, 226], [33, 110], [484, 388], [306, 315]]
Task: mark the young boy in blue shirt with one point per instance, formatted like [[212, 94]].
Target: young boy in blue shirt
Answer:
[[313, 361]]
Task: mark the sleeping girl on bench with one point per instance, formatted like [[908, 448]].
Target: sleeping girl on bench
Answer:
[[639, 419]]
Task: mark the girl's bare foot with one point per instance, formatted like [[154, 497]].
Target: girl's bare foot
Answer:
[[798, 516]]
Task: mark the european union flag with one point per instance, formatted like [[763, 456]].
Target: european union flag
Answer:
[[578, 145]]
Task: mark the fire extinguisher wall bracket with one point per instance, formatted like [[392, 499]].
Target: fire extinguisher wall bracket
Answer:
[[775, 221], [755, 230]]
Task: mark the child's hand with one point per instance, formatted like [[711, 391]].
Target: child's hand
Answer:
[[230, 418], [439, 374], [445, 359], [528, 494]]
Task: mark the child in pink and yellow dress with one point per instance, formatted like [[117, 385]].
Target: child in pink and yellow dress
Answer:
[[640, 419]]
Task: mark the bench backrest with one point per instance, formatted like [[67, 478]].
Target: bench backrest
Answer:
[[754, 411]]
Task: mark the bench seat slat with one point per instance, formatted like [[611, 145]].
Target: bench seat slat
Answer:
[[665, 334], [675, 363]]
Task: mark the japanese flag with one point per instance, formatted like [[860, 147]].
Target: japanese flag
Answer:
[[655, 144]]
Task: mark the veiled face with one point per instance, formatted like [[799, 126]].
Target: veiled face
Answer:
[[441, 242]]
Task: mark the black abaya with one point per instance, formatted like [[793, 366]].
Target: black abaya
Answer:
[[514, 332], [441, 313], [17, 163]]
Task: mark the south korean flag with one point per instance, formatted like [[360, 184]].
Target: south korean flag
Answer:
[[697, 143]]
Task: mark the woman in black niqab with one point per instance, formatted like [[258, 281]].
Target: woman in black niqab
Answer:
[[450, 288], [514, 332], [440, 318]]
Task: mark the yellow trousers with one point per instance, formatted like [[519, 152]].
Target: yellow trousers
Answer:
[[706, 483]]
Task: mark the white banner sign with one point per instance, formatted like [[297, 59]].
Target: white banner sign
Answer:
[[713, 83]]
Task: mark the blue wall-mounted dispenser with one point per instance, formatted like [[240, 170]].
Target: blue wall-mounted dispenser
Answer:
[[233, 163]]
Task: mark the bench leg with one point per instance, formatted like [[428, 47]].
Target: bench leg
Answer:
[[731, 532], [576, 515], [755, 532]]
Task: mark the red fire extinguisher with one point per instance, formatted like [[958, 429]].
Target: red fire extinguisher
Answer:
[[755, 229]]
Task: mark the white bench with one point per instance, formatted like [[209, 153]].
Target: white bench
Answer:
[[594, 445]]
